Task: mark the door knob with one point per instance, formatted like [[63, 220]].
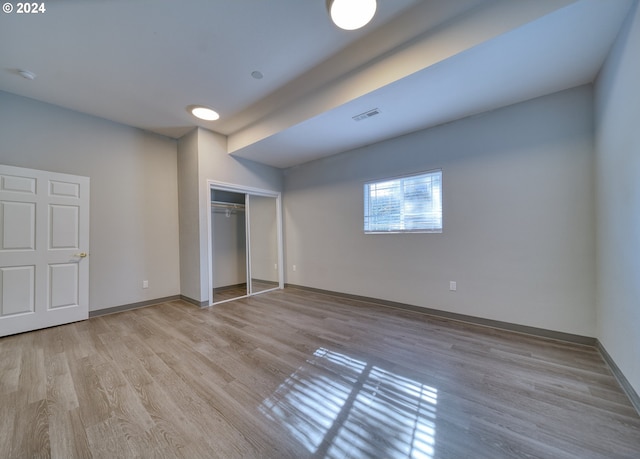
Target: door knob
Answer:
[[81, 254]]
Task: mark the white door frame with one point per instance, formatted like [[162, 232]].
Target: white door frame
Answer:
[[223, 186]]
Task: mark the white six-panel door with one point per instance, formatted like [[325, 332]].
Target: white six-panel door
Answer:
[[44, 245]]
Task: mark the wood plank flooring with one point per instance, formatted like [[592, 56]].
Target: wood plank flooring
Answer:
[[297, 374]]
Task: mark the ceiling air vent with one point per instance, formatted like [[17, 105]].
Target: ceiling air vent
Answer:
[[365, 115]]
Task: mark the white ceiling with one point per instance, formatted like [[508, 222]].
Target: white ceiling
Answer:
[[420, 62]]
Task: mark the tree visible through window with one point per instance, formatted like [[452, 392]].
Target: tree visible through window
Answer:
[[405, 204]]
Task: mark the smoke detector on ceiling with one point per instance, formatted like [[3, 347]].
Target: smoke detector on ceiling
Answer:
[[366, 115]]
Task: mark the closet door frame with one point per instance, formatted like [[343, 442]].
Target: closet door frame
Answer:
[[248, 191]]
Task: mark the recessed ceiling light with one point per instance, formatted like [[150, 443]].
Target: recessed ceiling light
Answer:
[[203, 113], [351, 14]]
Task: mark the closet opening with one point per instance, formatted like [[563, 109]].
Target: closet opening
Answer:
[[245, 242], [229, 245]]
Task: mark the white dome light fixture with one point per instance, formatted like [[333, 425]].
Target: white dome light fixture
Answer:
[[203, 113], [351, 14]]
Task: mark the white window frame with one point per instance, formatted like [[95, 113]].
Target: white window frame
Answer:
[[399, 225]]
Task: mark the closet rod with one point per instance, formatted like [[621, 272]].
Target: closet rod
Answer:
[[226, 205]]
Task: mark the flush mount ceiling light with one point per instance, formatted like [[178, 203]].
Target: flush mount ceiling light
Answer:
[[351, 14], [203, 113]]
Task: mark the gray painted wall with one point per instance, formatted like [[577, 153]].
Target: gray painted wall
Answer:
[[519, 221], [217, 164], [188, 197], [134, 205], [206, 158], [618, 197]]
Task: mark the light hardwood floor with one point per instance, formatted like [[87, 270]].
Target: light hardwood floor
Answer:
[[296, 374]]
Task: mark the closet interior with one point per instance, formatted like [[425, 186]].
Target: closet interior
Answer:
[[246, 249]]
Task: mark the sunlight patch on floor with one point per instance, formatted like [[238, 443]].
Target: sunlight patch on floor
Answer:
[[355, 409]]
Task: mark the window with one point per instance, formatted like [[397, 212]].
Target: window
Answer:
[[411, 204]]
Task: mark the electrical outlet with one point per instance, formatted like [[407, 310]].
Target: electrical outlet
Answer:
[[294, 267], [453, 286], [275, 266], [145, 284]]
